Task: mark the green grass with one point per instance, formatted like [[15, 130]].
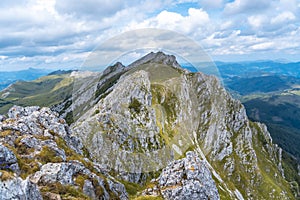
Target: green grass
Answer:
[[135, 105], [158, 72], [66, 191], [268, 171], [6, 175], [46, 91]]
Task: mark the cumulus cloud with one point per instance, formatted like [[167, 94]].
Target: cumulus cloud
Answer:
[[246, 6], [283, 18], [196, 20], [40, 30]]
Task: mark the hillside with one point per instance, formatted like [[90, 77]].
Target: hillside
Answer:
[[45, 91], [7, 78], [152, 130], [176, 111]]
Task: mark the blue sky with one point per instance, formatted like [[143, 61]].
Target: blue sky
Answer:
[[62, 33]]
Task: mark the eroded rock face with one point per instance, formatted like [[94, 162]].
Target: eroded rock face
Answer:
[[66, 173], [2, 118], [40, 121], [8, 160], [124, 130], [187, 178], [17, 188], [51, 158], [156, 105]]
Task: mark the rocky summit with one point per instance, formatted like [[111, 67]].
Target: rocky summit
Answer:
[[151, 130]]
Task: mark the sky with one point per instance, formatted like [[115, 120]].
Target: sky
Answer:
[[61, 34]]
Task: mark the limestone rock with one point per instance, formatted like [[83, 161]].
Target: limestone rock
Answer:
[[2, 118], [65, 173], [17, 188], [156, 111], [40, 121], [188, 178], [8, 159]]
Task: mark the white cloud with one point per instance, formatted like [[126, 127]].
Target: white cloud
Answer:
[[246, 6], [263, 46], [283, 18], [40, 29], [196, 20], [257, 21]]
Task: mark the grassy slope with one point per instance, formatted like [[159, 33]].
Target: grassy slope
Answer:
[[45, 91]]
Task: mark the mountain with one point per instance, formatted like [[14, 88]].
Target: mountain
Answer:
[[270, 93], [174, 108], [258, 68], [151, 130], [262, 84], [45, 91], [7, 78]]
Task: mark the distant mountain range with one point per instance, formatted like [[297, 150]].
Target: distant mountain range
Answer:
[[9, 77], [151, 130], [258, 68]]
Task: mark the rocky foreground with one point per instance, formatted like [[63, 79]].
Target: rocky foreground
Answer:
[[41, 159]]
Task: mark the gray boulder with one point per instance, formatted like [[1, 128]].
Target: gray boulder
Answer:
[[65, 173], [2, 118], [17, 188], [188, 178], [8, 160]]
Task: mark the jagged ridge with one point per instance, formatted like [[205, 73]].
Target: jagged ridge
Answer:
[[156, 110]]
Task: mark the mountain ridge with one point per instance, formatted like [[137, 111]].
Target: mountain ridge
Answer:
[[157, 130]]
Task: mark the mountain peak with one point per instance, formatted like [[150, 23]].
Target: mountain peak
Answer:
[[158, 57]]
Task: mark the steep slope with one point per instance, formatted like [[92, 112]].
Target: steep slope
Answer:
[[40, 158], [156, 112]]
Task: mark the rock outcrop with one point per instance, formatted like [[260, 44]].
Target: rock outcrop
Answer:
[[16, 188], [128, 124], [187, 178], [41, 158], [8, 160], [156, 111]]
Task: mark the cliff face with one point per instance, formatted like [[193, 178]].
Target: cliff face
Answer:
[[156, 112], [179, 134], [40, 158]]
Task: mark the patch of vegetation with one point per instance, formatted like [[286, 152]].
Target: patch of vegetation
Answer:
[[131, 188], [27, 166], [267, 170], [290, 167], [148, 198], [281, 114], [48, 155], [5, 133], [6, 175], [69, 118], [66, 191], [46, 91], [135, 105], [21, 148], [96, 112], [158, 72], [107, 84]]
